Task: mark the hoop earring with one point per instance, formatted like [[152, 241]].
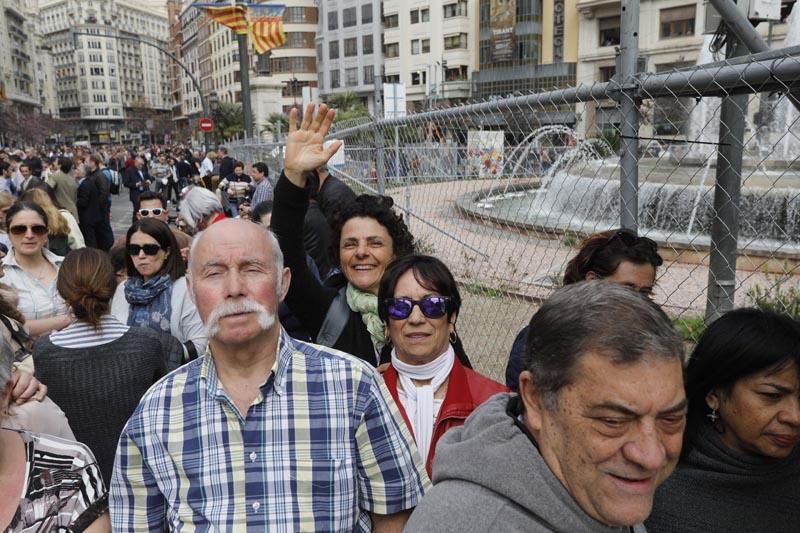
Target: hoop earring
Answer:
[[713, 416], [453, 336]]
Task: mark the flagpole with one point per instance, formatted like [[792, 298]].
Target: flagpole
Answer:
[[244, 80]]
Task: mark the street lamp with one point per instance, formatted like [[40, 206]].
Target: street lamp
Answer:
[[213, 105]]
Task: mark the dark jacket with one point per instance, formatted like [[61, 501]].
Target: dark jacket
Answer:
[[88, 204], [103, 187], [135, 182], [317, 238], [226, 167], [333, 194], [307, 298], [466, 390]]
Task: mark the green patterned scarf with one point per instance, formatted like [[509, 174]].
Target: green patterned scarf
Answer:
[[366, 304]]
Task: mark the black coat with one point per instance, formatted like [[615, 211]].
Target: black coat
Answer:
[[135, 182], [88, 204], [226, 167]]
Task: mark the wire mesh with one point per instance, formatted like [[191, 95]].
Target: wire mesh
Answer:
[[503, 191]]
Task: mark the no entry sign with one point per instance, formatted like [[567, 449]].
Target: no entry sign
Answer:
[[206, 124]]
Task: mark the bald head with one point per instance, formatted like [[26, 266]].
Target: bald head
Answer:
[[235, 232]]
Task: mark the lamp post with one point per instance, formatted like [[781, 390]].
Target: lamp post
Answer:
[[213, 104]]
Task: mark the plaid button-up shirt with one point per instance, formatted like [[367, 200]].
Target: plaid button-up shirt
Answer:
[[321, 447]]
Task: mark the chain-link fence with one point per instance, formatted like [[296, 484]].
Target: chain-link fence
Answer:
[[503, 191]]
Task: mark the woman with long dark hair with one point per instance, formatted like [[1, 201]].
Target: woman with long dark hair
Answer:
[[740, 465]]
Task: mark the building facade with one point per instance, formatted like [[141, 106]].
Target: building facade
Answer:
[[429, 46], [24, 60], [525, 45], [348, 49], [109, 85]]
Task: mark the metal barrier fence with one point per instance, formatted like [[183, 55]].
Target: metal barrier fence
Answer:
[[704, 160]]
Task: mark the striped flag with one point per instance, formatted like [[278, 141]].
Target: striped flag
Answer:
[[232, 16], [266, 33]]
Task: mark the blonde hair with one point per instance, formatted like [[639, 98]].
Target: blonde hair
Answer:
[[6, 200], [56, 224]]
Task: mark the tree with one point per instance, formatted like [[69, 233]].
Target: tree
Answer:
[[348, 106], [276, 122], [228, 120]]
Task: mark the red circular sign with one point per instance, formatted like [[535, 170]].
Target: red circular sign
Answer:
[[206, 124]]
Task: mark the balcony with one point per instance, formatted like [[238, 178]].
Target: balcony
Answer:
[[588, 8]]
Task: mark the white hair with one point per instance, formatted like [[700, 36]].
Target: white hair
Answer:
[[277, 254], [246, 305], [198, 204]]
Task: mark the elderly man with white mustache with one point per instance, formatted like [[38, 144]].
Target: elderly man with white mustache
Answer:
[[264, 432]]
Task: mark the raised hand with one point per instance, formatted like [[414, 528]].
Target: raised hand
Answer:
[[304, 145]]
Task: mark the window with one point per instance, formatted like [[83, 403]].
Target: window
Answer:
[[425, 15], [333, 20], [456, 73], [351, 77], [415, 16], [349, 17], [392, 78], [369, 75], [319, 52], [459, 9], [426, 46], [391, 21], [418, 78], [391, 49], [96, 71], [677, 21], [299, 15], [366, 44], [334, 79], [609, 31], [351, 47], [455, 41], [415, 47], [366, 14], [333, 50]]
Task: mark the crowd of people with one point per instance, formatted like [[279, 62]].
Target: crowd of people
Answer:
[[275, 355]]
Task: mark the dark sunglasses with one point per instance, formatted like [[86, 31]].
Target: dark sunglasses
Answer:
[[149, 249], [630, 239], [431, 307], [37, 230], [155, 211]]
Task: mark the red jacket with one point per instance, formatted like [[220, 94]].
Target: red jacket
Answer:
[[466, 390]]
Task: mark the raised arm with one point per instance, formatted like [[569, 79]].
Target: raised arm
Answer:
[[305, 150]]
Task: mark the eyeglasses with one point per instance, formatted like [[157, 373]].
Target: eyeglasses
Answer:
[[149, 249], [431, 307], [38, 230], [155, 211]]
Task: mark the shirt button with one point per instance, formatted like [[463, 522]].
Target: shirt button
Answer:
[[256, 505], [253, 457]]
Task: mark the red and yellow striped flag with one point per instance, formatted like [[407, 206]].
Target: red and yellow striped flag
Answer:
[[266, 33], [234, 17]]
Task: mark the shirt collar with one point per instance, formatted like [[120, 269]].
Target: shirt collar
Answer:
[[286, 348], [11, 258]]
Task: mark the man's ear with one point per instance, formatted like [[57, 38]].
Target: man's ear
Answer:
[[531, 398], [287, 279]]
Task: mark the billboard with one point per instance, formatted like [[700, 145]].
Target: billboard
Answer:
[[485, 153], [503, 15]]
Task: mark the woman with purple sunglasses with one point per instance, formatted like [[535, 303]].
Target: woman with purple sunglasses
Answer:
[[419, 304]]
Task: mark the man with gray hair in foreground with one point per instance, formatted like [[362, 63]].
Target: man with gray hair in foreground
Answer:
[[596, 427], [264, 432]]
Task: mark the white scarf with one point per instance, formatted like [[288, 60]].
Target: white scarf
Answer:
[[420, 408]]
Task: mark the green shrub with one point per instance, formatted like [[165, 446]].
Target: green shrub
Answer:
[[776, 299], [690, 327]]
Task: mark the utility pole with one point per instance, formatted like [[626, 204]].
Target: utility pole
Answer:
[[244, 81]]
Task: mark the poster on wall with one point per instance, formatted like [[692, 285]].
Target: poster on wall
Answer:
[[503, 15], [485, 153]]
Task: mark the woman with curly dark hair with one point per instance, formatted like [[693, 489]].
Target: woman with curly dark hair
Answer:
[[367, 236]]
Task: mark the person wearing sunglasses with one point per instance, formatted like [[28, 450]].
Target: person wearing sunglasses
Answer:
[[434, 390], [618, 255], [154, 205], [31, 270], [155, 295]]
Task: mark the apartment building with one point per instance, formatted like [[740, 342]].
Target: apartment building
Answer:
[[670, 37], [430, 47], [106, 77], [23, 65], [348, 48]]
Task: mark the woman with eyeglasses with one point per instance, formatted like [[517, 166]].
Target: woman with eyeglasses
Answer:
[[97, 368], [419, 305], [155, 295], [31, 270], [64, 233], [617, 255]]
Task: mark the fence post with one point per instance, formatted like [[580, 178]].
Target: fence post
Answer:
[[380, 162], [727, 190], [629, 129]]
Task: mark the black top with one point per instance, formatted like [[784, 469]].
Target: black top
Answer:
[[99, 387], [307, 298], [334, 194]]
